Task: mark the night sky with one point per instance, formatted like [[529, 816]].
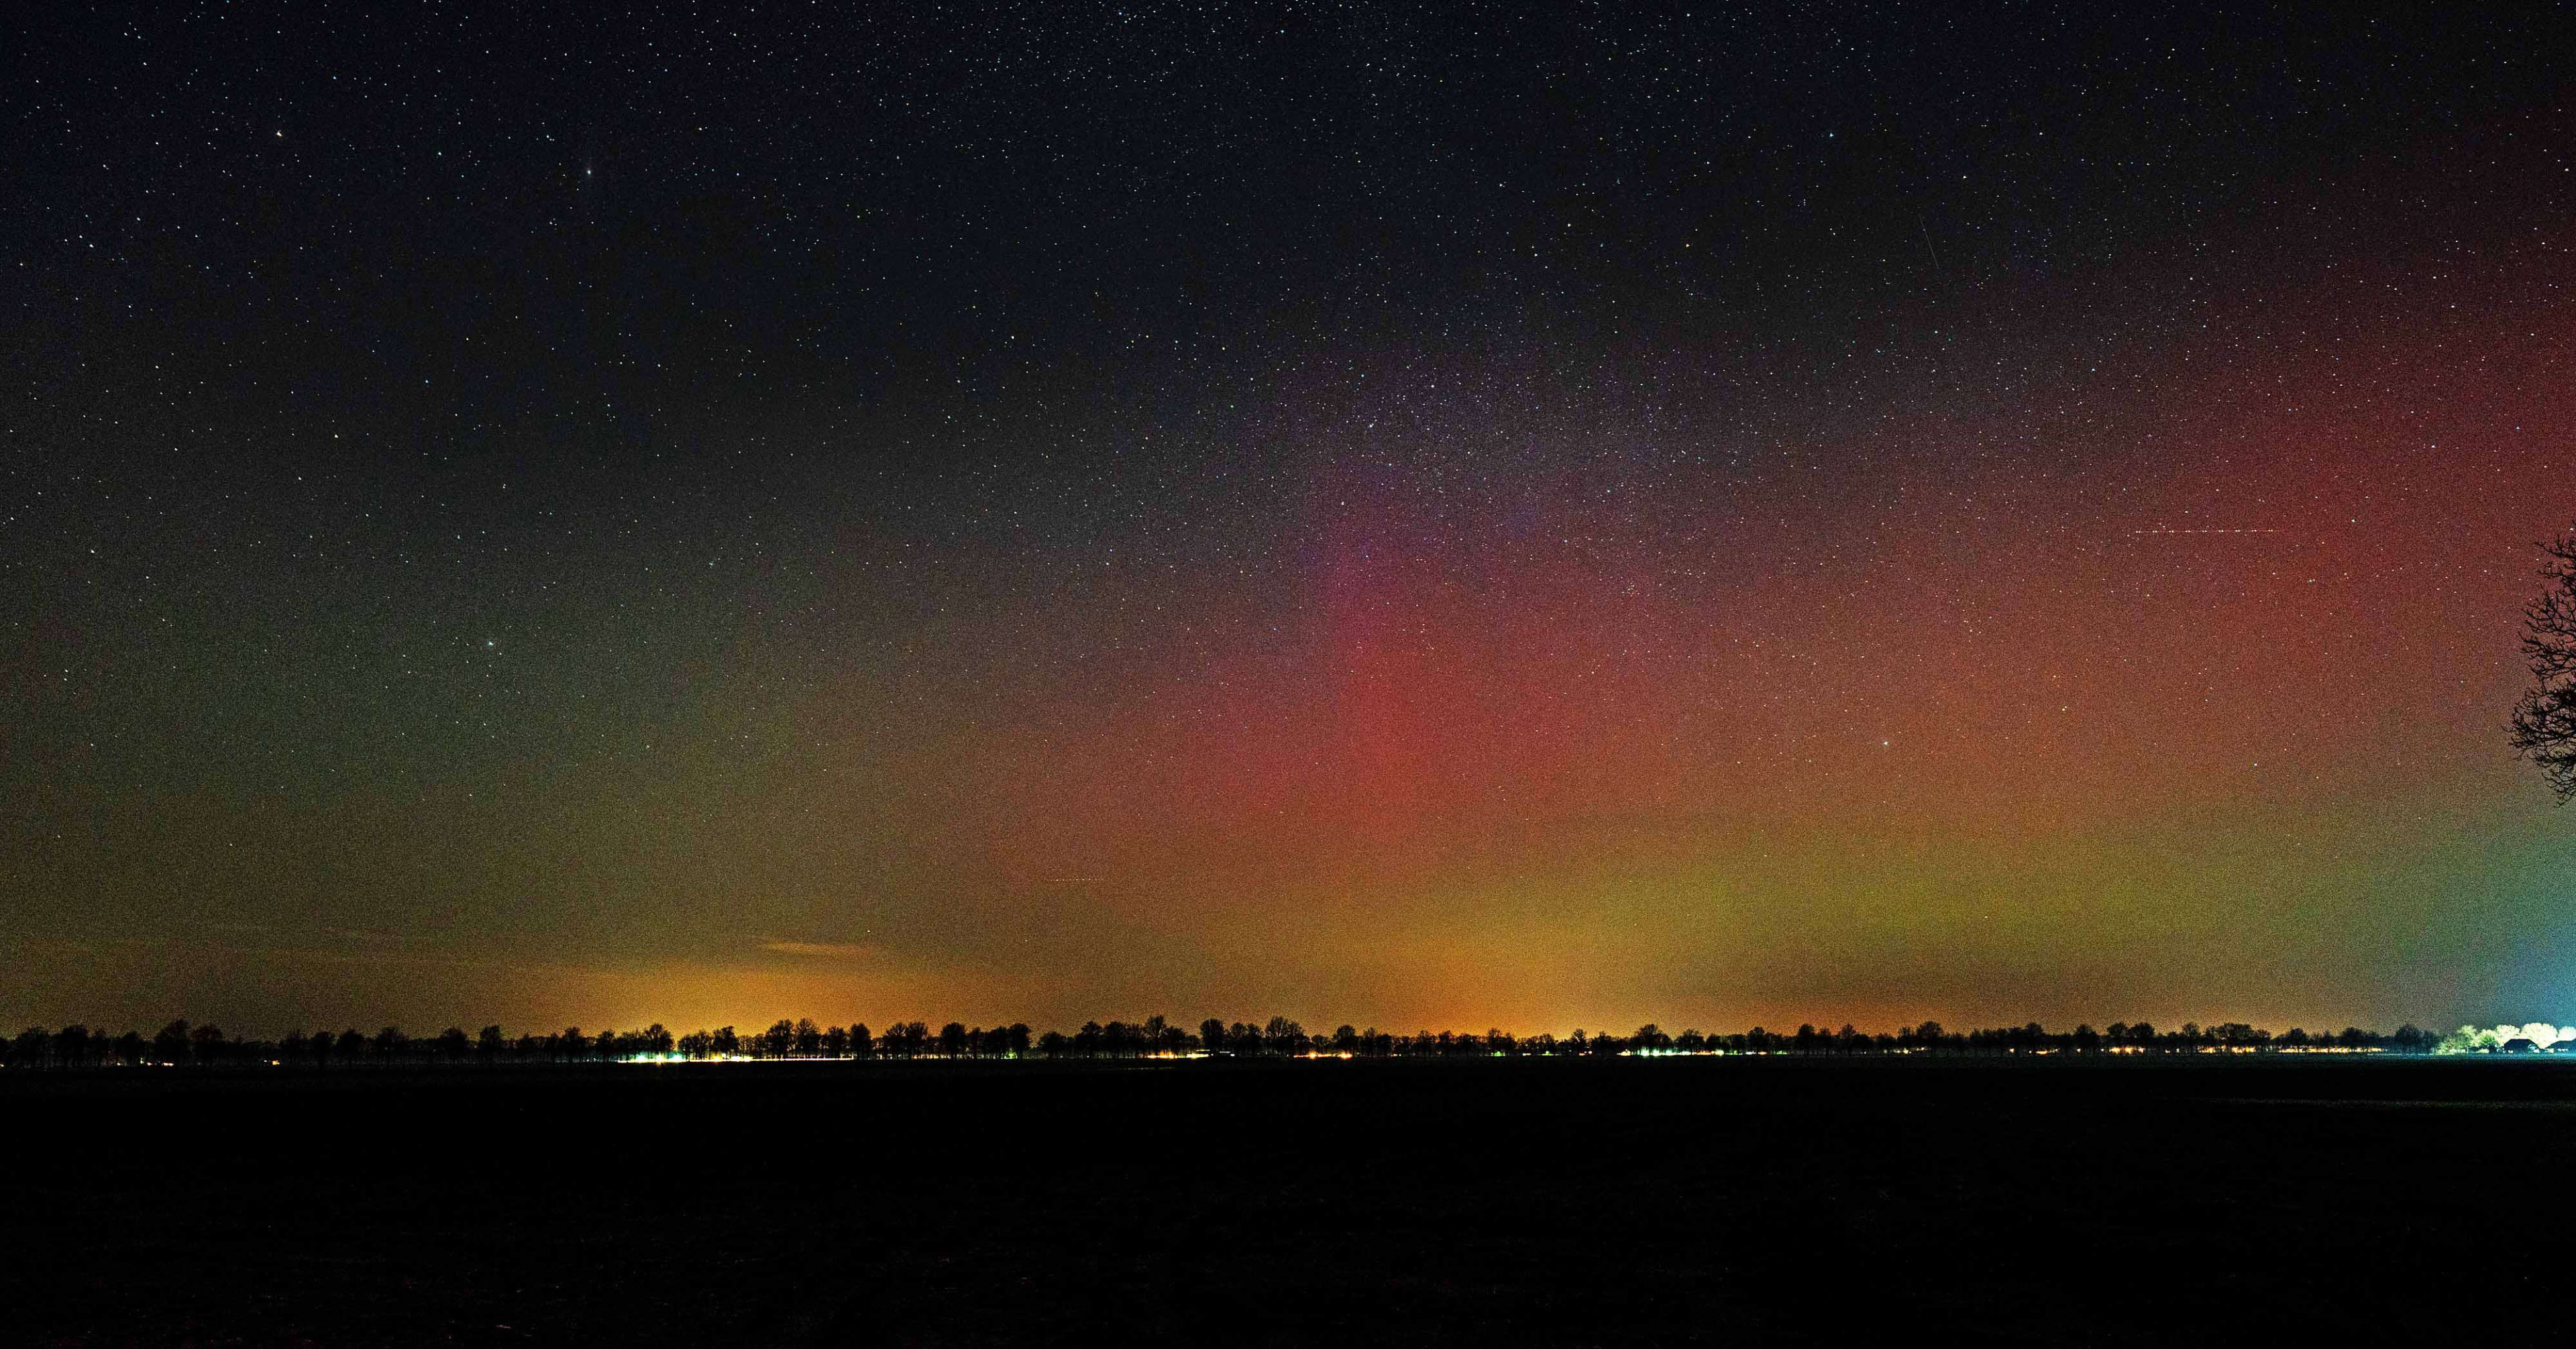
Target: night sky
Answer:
[[1533, 517]]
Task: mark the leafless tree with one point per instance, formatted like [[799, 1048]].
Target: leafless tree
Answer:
[[2544, 718]]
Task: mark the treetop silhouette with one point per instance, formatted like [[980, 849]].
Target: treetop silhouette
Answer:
[[2543, 726]]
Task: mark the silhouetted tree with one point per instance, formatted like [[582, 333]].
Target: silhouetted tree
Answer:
[[862, 1043], [179, 1042], [2543, 725], [2238, 1035]]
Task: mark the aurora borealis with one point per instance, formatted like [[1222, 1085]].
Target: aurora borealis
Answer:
[[1496, 519]]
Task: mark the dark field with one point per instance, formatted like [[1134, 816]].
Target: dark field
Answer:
[[1665, 1202]]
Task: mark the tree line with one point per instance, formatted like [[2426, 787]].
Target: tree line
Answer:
[[180, 1043]]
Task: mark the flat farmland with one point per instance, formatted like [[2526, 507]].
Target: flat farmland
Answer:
[[1645, 1202]]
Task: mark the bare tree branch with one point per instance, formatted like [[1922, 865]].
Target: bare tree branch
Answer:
[[2543, 726]]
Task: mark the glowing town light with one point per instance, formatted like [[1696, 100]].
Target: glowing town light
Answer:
[[2537, 1035]]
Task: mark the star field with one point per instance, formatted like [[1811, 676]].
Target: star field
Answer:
[[1486, 515]]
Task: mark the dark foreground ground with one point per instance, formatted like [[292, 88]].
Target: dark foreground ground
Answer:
[[1626, 1202]]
